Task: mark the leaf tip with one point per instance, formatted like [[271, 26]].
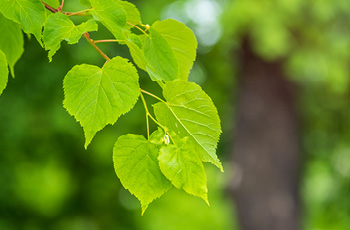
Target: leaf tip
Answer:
[[87, 141], [218, 164], [143, 207], [207, 201], [204, 196]]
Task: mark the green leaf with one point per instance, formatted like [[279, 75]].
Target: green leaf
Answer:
[[111, 14], [85, 2], [189, 111], [11, 41], [160, 58], [59, 27], [4, 72], [157, 137], [97, 97], [132, 13], [29, 13], [135, 45], [181, 164], [136, 165], [182, 41], [54, 3]]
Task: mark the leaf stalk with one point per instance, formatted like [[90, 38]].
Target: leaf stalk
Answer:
[[92, 42]]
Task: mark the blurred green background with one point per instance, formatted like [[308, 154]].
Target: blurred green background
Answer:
[[49, 181]]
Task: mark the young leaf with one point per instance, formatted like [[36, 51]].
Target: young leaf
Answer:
[[111, 14], [136, 165], [135, 45], [11, 41], [59, 27], [161, 61], [4, 72], [97, 97], [189, 111], [157, 137], [182, 41], [181, 164], [132, 13], [29, 13]]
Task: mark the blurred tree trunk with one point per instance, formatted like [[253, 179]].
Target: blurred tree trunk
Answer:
[[266, 148]]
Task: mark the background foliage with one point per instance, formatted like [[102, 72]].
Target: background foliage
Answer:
[[48, 180]]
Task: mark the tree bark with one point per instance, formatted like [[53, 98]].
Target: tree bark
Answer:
[[266, 148]]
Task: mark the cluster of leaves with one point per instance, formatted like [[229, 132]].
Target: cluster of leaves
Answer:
[[187, 120]]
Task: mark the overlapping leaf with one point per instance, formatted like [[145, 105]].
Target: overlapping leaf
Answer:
[[11, 41], [97, 97], [136, 164], [3, 72], [135, 44], [157, 137], [189, 111], [29, 13], [59, 27], [182, 41], [111, 14], [161, 62], [132, 13], [181, 164]]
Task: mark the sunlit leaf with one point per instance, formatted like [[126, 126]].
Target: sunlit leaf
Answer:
[[29, 13], [132, 13], [54, 3], [161, 61], [4, 72], [189, 111], [111, 14], [135, 45], [11, 41], [136, 165], [59, 27], [182, 41], [99, 96], [180, 163], [85, 2]]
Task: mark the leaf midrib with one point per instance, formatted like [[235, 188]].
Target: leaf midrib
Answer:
[[178, 119]]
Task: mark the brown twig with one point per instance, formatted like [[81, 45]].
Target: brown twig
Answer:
[[50, 8], [86, 34]]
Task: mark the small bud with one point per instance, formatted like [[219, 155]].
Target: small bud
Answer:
[[166, 139]]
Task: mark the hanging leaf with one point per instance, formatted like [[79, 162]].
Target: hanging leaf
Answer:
[[11, 41], [182, 41], [85, 2], [111, 14], [189, 111], [59, 27], [29, 13], [160, 59], [4, 72], [132, 13], [135, 45], [136, 165], [180, 163], [54, 3], [99, 96]]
